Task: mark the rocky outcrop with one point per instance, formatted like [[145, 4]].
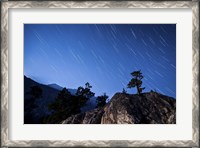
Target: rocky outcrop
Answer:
[[145, 109], [90, 117], [148, 108]]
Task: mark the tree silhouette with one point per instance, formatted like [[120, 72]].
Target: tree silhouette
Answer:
[[136, 81], [64, 105], [85, 92], [80, 91], [62, 100], [101, 100], [87, 85], [124, 91]]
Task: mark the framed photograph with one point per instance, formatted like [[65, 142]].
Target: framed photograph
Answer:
[[100, 73]]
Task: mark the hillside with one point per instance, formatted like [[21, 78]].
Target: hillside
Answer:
[[148, 108], [37, 109], [48, 95]]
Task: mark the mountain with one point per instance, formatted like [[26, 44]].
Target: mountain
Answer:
[[147, 108], [36, 109], [72, 91], [58, 87], [55, 86], [41, 104]]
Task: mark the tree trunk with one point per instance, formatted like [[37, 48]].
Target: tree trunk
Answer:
[[138, 90]]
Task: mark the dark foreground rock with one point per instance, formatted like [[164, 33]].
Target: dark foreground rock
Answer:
[[148, 108]]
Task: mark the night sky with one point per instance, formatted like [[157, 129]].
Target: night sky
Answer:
[[103, 55]]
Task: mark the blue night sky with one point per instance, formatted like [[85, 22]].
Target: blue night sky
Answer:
[[103, 55]]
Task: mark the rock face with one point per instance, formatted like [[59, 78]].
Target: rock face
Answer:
[[90, 117], [134, 109], [148, 108]]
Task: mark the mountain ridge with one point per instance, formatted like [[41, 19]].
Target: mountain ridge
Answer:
[[55, 86]]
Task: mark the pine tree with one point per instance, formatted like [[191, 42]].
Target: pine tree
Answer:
[[85, 92], [124, 91], [64, 106], [136, 81], [101, 100]]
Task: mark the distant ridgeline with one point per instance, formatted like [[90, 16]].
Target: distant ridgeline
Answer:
[[52, 104]]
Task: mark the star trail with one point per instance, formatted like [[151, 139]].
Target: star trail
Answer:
[[103, 55]]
